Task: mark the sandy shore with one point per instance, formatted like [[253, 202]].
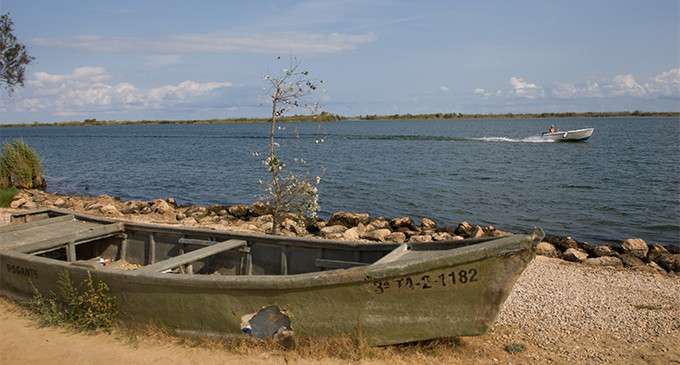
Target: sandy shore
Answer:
[[563, 312]]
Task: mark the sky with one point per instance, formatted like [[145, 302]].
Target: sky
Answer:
[[193, 60]]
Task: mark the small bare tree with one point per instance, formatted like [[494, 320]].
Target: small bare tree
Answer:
[[289, 190]]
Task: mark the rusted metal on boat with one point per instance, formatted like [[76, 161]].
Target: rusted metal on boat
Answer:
[[202, 282]]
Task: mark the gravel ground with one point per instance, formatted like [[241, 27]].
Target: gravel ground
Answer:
[[594, 314]]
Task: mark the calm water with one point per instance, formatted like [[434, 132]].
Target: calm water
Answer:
[[623, 182]]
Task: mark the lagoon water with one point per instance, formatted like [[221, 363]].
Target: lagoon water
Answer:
[[623, 182]]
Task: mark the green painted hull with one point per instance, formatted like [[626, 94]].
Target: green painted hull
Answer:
[[427, 291]]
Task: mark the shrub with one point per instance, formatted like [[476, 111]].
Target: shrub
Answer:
[[291, 187], [20, 166], [92, 309]]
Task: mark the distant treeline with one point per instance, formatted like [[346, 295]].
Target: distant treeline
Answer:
[[328, 117], [636, 113]]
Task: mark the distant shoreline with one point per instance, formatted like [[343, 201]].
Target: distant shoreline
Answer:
[[328, 117]]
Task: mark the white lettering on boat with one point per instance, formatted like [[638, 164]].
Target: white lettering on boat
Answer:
[[445, 279], [23, 271]]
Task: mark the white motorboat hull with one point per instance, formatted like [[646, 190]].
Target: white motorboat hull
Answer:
[[575, 135]]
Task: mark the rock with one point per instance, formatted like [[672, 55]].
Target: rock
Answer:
[[574, 255], [478, 232], [586, 247], [110, 209], [196, 212], [332, 230], [180, 216], [428, 225], [601, 251], [160, 206], [379, 223], [351, 234], [561, 243], [547, 249], [655, 266], [259, 209], [239, 211], [420, 238], [464, 229], [293, 226], [95, 206], [636, 247], [403, 223], [443, 236], [604, 261], [655, 250], [448, 229], [395, 237], [376, 235], [491, 231], [59, 203], [669, 261], [132, 207], [672, 248], [349, 219], [631, 260]]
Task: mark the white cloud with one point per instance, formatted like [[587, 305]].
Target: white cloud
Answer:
[[85, 91], [444, 89], [485, 95], [522, 89], [304, 43], [666, 84]]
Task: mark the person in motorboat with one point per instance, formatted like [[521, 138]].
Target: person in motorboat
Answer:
[[552, 129]]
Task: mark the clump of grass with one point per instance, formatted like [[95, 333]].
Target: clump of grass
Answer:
[[20, 166], [7, 195], [515, 348], [89, 309]]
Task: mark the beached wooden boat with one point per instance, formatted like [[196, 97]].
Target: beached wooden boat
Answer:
[[207, 282]]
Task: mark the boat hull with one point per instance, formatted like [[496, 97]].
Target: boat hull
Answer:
[[422, 294], [576, 135]]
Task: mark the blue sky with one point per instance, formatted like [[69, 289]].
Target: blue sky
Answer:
[[175, 60]]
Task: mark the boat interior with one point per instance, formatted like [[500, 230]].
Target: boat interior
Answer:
[[105, 244]]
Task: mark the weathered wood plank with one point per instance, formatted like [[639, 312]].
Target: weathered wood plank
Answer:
[[394, 254], [33, 224], [190, 256], [75, 237], [337, 264]]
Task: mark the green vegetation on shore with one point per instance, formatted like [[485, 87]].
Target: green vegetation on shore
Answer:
[[7, 195], [328, 117]]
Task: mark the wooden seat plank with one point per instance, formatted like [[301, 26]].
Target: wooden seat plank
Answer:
[[191, 256]]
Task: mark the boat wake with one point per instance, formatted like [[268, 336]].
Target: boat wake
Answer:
[[532, 139]]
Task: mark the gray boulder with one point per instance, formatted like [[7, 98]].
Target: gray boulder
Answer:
[[561, 243], [631, 260], [574, 255], [349, 219], [428, 224], [547, 249], [603, 261], [669, 261], [636, 247], [401, 223], [601, 251]]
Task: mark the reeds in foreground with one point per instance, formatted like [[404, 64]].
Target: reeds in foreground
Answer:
[[20, 166]]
